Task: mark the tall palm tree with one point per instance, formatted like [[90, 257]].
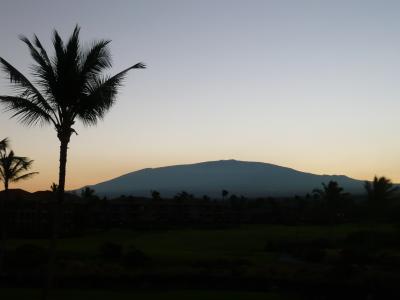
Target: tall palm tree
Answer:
[[13, 168], [69, 86]]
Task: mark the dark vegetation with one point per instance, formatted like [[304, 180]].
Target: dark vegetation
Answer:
[[316, 246]]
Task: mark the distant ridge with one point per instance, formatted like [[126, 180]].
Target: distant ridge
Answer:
[[250, 179]]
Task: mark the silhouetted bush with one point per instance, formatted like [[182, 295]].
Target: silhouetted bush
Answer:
[[111, 251], [27, 256], [373, 239], [356, 255], [135, 258], [221, 263], [311, 254], [288, 246]]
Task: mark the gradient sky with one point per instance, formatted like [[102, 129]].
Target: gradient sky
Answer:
[[312, 85]]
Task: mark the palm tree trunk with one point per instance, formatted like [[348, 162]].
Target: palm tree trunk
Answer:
[[3, 217], [64, 140]]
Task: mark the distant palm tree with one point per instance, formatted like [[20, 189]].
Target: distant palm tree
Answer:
[[13, 168], [224, 194], [69, 86], [3, 144], [54, 187], [330, 191], [379, 190], [155, 195], [87, 192], [334, 198], [184, 196]]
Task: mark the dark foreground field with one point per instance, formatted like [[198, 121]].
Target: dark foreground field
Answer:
[[247, 262], [17, 294]]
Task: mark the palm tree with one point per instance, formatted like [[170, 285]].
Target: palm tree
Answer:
[[13, 168], [379, 190], [224, 194], [334, 199], [54, 187], [3, 144], [155, 195], [68, 86], [379, 193], [330, 192]]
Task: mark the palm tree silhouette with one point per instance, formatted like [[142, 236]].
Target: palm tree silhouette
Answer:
[[155, 195], [379, 190], [70, 86], [335, 200], [3, 144], [13, 168], [330, 192]]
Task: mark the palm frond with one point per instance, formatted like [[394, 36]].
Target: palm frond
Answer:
[[42, 50], [43, 71], [101, 96], [96, 59], [24, 177], [59, 48], [22, 85], [72, 49], [27, 112]]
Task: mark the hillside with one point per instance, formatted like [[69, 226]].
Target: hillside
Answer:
[[251, 179]]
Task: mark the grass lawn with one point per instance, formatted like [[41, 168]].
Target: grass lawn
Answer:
[[184, 245]]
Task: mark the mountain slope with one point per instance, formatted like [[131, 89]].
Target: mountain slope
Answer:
[[251, 179]]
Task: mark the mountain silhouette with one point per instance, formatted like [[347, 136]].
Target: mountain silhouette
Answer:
[[250, 179]]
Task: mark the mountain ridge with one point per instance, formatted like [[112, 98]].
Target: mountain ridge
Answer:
[[248, 178]]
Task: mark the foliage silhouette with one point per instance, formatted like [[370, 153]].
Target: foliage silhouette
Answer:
[[54, 187], [335, 200], [3, 144], [87, 193], [379, 190], [379, 193], [330, 192], [13, 168], [155, 195], [182, 196]]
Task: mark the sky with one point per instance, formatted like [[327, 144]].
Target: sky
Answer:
[[311, 85]]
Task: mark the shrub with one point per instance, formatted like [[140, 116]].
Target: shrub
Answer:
[[111, 251], [135, 257], [27, 256], [356, 255], [311, 254]]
